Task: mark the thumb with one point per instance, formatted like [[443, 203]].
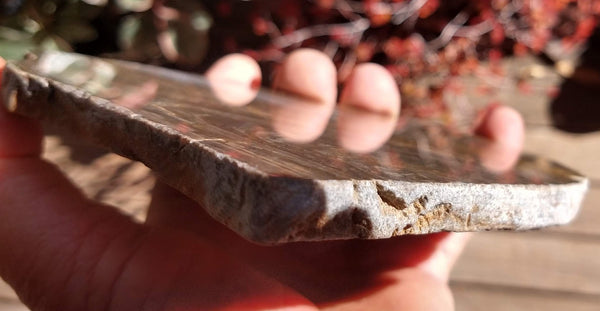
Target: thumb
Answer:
[[18, 136], [46, 222], [61, 251]]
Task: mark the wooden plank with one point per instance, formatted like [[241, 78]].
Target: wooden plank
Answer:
[[9, 306], [532, 260], [9, 300], [476, 297], [531, 98], [7, 293], [106, 177], [579, 152]]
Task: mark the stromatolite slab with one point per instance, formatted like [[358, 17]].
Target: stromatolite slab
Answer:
[[270, 190]]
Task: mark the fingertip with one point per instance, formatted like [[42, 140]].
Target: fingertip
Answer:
[[370, 106], [361, 131], [447, 253], [308, 73], [311, 75], [235, 79], [502, 123], [301, 122], [19, 136], [505, 129], [373, 88]]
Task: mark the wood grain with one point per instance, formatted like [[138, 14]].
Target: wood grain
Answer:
[[579, 152], [105, 177], [532, 260], [6, 293], [477, 297], [587, 222], [12, 306]]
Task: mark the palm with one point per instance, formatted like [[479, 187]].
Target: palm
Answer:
[[327, 273]]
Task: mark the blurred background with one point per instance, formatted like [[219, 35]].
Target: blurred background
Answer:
[[451, 59]]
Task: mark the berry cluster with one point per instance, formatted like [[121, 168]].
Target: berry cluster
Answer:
[[412, 38]]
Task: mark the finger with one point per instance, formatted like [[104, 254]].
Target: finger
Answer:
[[312, 75], [505, 130], [447, 252], [408, 289], [369, 109], [315, 269], [19, 137], [308, 73], [235, 79], [372, 88]]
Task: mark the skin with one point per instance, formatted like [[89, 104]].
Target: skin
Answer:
[[62, 251]]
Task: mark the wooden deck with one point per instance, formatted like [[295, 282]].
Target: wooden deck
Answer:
[[551, 269]]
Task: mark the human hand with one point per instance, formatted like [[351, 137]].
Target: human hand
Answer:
[[61, 251]]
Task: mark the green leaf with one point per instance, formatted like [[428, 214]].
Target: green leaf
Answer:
[[134, 5], [190, 41], [128, 31], [201, 21], [75, 30], [96, 2], [188, 32], [137, 37], [15, 50]]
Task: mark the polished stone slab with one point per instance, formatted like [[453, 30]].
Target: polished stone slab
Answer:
[[242, 166]]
